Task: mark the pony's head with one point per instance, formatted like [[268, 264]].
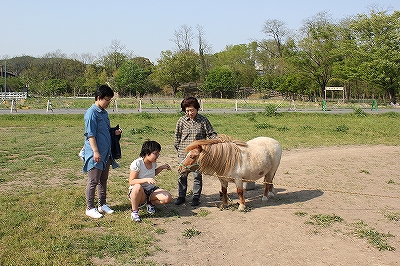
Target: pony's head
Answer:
[[190, 164], [218, 155]]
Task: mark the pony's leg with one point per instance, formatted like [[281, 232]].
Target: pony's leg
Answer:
[[242, 206], [224, 192], [239, 190], [269, 190]]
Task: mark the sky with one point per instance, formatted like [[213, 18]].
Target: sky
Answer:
[[147, 27]]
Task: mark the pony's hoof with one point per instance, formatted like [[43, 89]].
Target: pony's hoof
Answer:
[[241, 207], [264, 198]]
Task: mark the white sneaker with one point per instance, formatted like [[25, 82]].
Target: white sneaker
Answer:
[[105, 209], [150, 209], [93, 213]]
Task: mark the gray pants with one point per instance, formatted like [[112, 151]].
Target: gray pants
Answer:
[[97, 178], [197, 185]]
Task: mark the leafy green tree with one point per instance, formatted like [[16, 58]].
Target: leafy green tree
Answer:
[[130, 79], [241, 62], [317, 51], [220, 80], [175, 69], [377, 58]]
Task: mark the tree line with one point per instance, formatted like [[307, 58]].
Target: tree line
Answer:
[[360, 53]]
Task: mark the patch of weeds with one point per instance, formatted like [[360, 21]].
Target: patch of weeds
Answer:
[[342, 128], [270, 110], [365, 171], [186, 222], [324, 220], [231, 207], [146, 115], [190, 232], [284, 128], [264, 126], [376, 239], [203, 213], [391, 181], [392, 216], [176, 213], [160, 231], [307, 127], [252, 117], [301, 214], [143, 130], [359, 112]]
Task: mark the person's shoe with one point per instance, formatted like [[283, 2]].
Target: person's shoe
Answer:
[[195, 202], [106, 209], [179, 200], [93, 213], [135, 217], [150, 208]]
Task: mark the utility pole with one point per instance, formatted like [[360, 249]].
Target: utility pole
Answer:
[[5, 76]]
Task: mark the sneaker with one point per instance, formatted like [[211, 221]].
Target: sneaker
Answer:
[[93, 213], [195, 202], [179, 200], [135, 217], [150, 208], [105, 209]]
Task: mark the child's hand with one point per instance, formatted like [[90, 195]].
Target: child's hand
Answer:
[[166, 166]]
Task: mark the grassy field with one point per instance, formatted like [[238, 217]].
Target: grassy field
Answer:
[[42, 186]]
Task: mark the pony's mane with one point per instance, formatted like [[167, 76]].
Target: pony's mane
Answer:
[[218, 155]]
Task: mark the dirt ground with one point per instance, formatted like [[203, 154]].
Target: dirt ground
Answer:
[[359, 184]]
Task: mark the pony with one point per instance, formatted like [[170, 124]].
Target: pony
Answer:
[[235, 161]]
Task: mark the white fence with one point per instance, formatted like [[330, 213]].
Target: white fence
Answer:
[[13, 95]]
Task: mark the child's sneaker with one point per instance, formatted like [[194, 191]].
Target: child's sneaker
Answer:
[[135, 217], [150, 208]]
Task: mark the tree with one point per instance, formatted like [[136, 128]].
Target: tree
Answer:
[[175, 69], [114, 56], [131, 79], [183, 38], [241, 62], [318, 50], [220, 80], [204, 49], [278, 31], [377, 57]]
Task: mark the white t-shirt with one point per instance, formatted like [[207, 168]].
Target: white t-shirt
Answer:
[[139, 166]]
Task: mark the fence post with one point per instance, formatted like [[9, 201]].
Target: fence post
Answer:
[[201, 105], [236, 102], [49, 106], [13, 107], [115, 108], [140, 106]]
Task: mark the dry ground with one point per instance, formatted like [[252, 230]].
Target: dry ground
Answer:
[[355, 183]]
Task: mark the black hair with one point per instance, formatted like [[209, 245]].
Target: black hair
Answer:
[[103, 91], [148, 147], [190, 101]]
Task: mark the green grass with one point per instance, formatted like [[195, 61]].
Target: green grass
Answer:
[[42, 186]]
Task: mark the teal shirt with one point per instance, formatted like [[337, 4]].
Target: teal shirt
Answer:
[[97, 124]]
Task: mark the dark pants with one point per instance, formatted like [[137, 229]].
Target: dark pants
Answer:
[[97, 178], [197, 185]]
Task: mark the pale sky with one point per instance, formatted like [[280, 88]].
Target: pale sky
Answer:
[[146, 27]]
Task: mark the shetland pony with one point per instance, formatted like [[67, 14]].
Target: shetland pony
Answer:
[[235, 161]]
